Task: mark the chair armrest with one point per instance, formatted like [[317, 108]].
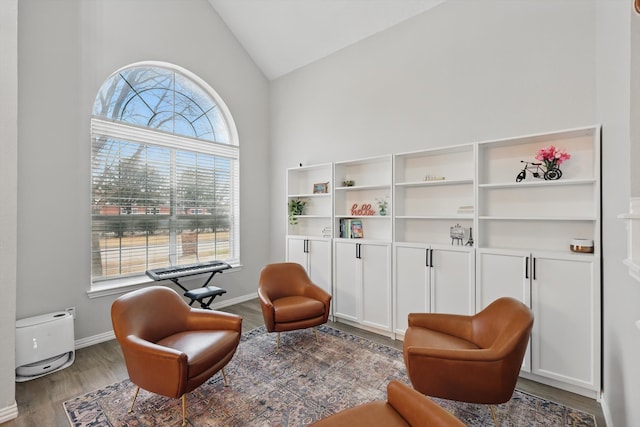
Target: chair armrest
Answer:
[[145, 359], [452, 324], [316, 292], [201, 319], [268, 312], [264, 298], [147, 349], [417, 409]]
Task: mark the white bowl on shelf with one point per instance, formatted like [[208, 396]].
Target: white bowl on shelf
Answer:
[[581, 245]]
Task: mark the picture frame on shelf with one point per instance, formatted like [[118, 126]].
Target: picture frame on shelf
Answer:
[[320, 188]]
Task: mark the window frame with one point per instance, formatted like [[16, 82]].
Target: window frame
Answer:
[[150, 136]]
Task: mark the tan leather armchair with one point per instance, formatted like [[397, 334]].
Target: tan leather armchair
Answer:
[[474, 359], [404, 407], [170, 348], [289, 300]]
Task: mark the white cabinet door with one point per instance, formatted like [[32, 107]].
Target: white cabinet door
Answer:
[[319, 262], [362, 283], [432, 279], [565, 302], [411, 283], [376, 284], [452, 280], [504, 274], [346, 280], [563, 294], [296, 251], [314, 254]]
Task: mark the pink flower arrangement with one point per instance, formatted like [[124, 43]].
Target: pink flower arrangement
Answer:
[[552, 156]]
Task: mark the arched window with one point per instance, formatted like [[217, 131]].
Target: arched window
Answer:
[[164, 173]]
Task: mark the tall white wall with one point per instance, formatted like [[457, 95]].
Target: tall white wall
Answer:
[[8, 201], [464, 71], [617, 91], [67, 48]]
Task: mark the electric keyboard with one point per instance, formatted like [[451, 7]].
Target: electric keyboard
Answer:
[[204, 295], [168, 273]]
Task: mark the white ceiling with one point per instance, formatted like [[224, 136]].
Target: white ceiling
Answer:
[[283, 35]]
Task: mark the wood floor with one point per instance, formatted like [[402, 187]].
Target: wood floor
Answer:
[[40, 400]]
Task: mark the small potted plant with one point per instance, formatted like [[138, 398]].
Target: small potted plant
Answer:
[[296, 207], [382, 206]]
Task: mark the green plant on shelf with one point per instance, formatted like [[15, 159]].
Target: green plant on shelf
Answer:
[[382, 206], [296, 207]]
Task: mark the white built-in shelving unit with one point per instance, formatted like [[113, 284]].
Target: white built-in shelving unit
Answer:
[[523, 250], [515, 242], [362, 266], [433, 191], [309, 237]]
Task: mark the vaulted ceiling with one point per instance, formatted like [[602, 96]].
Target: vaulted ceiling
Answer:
[[283, 35]]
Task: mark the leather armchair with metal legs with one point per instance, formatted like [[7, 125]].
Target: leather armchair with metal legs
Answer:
[[290, 301], [170, 348], [474, 359]]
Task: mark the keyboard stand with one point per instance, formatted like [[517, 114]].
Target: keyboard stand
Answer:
[[201, 294]]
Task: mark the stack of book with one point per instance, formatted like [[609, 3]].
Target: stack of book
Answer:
[[351, 228]]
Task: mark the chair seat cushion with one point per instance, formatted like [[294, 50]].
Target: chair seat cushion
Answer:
[[295, 308], [203, 348], [421, 337], [369, 414]]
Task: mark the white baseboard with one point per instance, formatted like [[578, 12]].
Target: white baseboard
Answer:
[[234, 301], [107, 336], [606, 411], [9, 413], [95, 339]]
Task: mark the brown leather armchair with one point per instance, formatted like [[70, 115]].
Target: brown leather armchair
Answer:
[[170, 348], [289, 299], [474, 359], [404, 407]]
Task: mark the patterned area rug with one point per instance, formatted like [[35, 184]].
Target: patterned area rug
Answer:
[[303, 383]]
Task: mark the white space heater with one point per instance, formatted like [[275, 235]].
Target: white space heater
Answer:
[[44, 344]]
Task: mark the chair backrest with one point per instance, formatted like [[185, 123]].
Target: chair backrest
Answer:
[[283, 279], [504, 325], [150, 313]]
